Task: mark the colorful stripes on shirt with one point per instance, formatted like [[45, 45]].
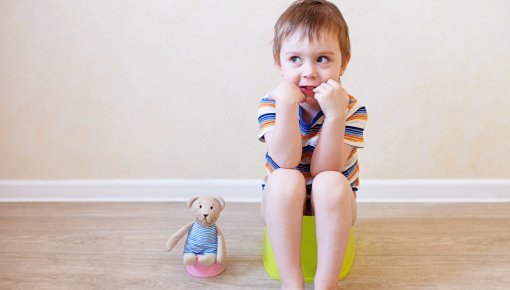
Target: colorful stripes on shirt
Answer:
[[202, 240], [310, 132]]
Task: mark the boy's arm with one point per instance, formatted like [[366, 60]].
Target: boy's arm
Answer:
[[284, 141], [331, 152]]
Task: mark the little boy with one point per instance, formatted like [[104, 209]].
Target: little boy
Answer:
[[312, 128]]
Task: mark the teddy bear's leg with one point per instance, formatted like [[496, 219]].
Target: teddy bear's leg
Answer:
[[207, 259], [189, 259]]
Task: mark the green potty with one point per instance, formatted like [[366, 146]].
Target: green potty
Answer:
[[308, 253]]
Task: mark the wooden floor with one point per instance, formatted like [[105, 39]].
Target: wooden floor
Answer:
[[121, 246]]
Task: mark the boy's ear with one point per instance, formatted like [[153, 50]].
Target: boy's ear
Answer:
[[344, 65], [277, 62]]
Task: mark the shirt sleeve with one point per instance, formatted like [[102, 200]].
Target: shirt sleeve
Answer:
[[266, 114], [355, 123]]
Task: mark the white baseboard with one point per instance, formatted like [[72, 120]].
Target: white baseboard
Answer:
[[245, 190]]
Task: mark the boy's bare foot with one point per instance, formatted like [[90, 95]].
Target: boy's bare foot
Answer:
[[293, 287], [325, 285]]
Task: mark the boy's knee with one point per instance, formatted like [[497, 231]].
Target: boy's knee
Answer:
[[331, 186], [286, 184], [329, 179]]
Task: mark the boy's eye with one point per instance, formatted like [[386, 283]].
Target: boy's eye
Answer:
[[294, 59], [322, 59]]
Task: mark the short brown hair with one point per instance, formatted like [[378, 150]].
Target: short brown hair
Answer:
[[313, 17]]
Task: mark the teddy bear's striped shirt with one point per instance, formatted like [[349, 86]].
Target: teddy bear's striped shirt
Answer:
[[202, 240]]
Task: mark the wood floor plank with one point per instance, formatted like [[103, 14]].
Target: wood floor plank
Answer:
[[121, 246]]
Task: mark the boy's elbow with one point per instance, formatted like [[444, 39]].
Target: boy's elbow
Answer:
[[285, 160], [286, 163], [313, 171], [288, 166], [316, 170]]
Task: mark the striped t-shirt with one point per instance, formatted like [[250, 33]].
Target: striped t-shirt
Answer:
[[201, 240], [356, 119]]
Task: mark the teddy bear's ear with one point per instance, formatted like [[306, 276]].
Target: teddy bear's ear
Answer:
[[220, 200], [192, 200]]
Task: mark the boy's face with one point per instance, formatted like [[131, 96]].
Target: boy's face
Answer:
[[308, 63]]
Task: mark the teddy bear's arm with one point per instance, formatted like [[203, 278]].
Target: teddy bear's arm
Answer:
[[221, 256], [172, 241]]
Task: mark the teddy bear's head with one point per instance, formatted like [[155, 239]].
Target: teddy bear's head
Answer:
[[206, 209]]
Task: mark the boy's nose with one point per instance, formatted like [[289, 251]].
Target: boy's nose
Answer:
[[309, 71]]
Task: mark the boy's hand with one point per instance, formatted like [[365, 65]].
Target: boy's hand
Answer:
[[333, 98], [287, 92]]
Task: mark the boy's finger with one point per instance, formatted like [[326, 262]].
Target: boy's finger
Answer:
[[333, 83], [323, 87], [316, 89]]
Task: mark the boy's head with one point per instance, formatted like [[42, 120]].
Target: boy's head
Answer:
[[312, 19]]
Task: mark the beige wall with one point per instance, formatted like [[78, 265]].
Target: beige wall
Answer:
[[169, 89]]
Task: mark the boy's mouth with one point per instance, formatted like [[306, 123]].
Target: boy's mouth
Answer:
[[308, 90]]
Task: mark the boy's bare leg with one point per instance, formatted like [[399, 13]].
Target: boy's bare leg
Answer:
[[335, 212], [282, 211]]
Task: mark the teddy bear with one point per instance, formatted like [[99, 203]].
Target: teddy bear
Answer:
[[205, 242]]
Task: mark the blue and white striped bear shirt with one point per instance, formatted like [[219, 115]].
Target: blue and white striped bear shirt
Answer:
[[201, 240]]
